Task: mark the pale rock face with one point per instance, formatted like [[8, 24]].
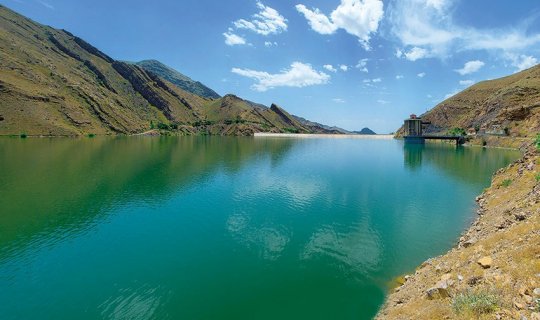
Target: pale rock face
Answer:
[[440, 290], [485, 262]]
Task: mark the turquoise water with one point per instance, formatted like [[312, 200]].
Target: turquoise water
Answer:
[[224, 228]]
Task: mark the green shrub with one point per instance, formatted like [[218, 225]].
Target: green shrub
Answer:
[[24, 135], [537, 177], [538, 142], [239, 120], [152, 126], [506, 183], [457, 132], [200, 123], [228, 122], [291, 130], [475, 303], [163, 126], [91, 135]]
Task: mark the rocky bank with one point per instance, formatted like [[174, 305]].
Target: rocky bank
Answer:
[[494, 270]]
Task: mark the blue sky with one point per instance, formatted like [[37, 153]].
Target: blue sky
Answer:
[[351, 63]]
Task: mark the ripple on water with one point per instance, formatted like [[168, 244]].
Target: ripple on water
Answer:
[[140, 303]]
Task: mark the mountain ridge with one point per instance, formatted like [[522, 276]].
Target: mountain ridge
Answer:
[[53, 83], [177, 78]]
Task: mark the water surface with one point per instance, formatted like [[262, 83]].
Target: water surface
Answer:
[[224, 228]]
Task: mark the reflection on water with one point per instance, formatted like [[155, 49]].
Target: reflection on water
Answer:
[[224, 228], [358, 250], [267, 241], [70, 181], [472, 164], [412, 153]]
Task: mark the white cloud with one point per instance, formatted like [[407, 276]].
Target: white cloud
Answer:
[[521, 62], [430, 25], [46, 4], [267, 21], [399, 76], [466, 82], [232, 39], [270, 44], [421, 75], [338, 100], [416, 53], [362, 65], [380, 101], [470, 67], [318, 21], [298, 75], [437, 4], [344, 68], [399, 53], [330, 68], [359, 18], [376, 80]]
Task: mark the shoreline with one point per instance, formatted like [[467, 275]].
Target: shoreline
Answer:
[[323, 135], [497, 256]]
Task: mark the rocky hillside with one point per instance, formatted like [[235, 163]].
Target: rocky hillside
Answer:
[[508, 106], [178, 79], [494, 271], [53, 83]]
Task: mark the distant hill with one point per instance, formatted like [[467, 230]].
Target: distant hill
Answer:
[[53, 83], [312, 124], [506, 106], [365, 131], [178, 79]]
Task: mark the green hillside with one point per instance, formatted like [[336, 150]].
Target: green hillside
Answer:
[[53, 83]]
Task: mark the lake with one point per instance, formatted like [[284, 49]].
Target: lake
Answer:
[[225, 227]]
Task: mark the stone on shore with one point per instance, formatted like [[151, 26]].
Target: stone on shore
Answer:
[[485, 262]]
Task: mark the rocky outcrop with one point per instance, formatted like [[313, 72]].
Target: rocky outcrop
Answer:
[[178, 79], [91, 49], [141, 81], [99, 75], [285, 117]]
